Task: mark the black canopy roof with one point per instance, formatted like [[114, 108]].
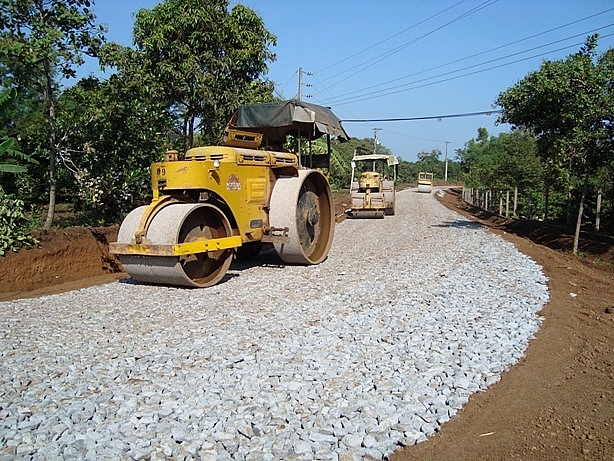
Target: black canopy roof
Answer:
[[275, 120]]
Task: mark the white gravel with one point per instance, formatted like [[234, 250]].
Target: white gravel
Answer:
[[373, 349]]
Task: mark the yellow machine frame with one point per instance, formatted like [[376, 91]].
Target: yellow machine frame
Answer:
[[241, 176]]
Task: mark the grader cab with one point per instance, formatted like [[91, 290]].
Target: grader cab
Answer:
[[216, 201]]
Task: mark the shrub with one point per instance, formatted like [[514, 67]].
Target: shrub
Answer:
[[12, 225]]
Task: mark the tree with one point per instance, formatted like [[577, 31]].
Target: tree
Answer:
[[474, 160], [12, 161], [13, 234], [111, 133], [429, 161], [518, 164], [202, 60], [432, 155], [42, 41], [569, 106]]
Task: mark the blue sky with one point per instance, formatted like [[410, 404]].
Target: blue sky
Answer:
[[374, 60]]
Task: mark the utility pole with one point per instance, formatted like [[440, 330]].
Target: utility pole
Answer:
[[445, 176], [375, 130], [301, 84]]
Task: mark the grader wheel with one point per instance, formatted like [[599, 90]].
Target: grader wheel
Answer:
[[178, 223], [304, 206]]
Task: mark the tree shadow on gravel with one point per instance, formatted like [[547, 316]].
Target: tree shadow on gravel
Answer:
[[267, 257], [461, 224]]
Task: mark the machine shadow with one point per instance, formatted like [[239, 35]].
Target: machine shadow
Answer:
[[267, 257]]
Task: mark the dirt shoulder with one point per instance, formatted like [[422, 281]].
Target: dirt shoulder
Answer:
[[556, 403]]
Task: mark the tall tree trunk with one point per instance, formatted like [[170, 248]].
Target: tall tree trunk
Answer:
[[568, 210], [576, 238], [546, 202], [598, 212], [188, 131], [53, 148], [190, 139], [185, 133], [191, 136]]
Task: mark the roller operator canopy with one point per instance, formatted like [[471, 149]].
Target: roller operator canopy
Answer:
[[388, 158], [275, 120]]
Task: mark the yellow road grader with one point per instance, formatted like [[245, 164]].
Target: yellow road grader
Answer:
[[372, 192], [217, 200]]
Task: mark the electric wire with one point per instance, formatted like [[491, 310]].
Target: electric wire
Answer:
[[472, 56], [372, 61], [358, 53], [416, 83], [426, 117]]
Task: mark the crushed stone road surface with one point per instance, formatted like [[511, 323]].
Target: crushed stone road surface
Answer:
[[373, 349]]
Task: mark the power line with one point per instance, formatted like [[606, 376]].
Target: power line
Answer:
[[376, 59], [427, 117], [407, 86], [387, 39], [480, 53]]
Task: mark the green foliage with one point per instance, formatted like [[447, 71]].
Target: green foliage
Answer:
[[111, 140], [11, 160], [12, 225], [501, 163], [429, 161], [40, 43], [569, 106], [200, 59], [58, 33]]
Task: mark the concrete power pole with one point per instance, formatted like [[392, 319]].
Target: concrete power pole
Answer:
[[301, 84], [375, 130], [445, 176]]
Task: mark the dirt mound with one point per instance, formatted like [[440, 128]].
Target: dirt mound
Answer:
[[63, 256]]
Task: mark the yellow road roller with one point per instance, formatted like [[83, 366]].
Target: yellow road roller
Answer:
[[425, 182], [218, 201], [372, 190]]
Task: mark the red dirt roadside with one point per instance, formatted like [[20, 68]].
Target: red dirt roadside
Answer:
[[557, 403]]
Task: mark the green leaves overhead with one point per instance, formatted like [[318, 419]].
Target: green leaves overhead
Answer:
[[11, 159], [200, 58], [53, 33], [42, 41], [569, 106]]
